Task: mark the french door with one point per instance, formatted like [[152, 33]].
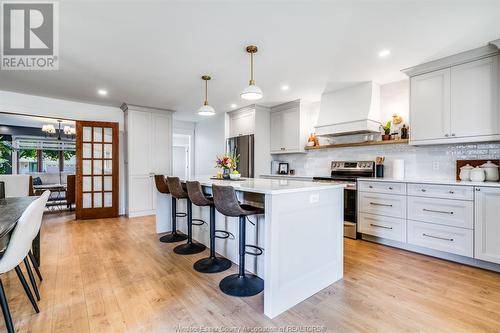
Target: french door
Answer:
[[97, 169]]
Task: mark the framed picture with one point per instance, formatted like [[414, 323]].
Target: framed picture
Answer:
[[283, 169]]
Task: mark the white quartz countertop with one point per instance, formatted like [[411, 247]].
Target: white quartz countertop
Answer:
[[268, 186], [433, 181], [294, 177]]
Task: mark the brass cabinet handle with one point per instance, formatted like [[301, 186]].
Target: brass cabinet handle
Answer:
[[379, 204], [370, 186], [380, 226], [437, 237], [436, 211], [423, 190], [391, 188], [452, 192]]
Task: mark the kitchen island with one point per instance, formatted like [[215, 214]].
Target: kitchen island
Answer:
[[301, 233]]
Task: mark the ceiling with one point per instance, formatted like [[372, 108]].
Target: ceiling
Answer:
[[153, 53]]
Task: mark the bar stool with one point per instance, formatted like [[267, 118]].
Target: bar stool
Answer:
[[175, 235], [178, 192], [212, 264], [240, 284]]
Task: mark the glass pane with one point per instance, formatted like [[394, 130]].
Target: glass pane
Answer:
[[70, 161], [108, 151], [87, 167], [108, 134], [97, 150], [87, 200], [87, 133], [97, 167], [108, 167], [50, 161], [28, 161], [87, 185], [87, 150], [108, 199], [98, 134], [98, 183], [108, 183], [97, 200]]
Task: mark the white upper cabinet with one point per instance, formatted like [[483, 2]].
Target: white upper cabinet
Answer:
[[289, 127], [430, 105], [487, 225], [456, 99], [474, 98], [242, 122]]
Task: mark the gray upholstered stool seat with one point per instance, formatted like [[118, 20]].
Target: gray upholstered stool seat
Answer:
[[212, 264], [174, 235], [241, 284], [177, 191]]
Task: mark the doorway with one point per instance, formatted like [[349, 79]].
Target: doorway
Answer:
[[181, 156]]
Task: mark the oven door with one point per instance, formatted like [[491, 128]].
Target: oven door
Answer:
[[350, 216]]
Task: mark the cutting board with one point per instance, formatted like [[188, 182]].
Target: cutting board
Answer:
[[473, 163]]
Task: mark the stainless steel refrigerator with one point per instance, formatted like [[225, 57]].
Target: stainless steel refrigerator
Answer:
[[242, 146]]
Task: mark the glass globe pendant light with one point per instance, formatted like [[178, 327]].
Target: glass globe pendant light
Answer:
[[252, 92], [206, 110]]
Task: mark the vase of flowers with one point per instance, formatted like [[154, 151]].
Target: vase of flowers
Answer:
[[227, 163]]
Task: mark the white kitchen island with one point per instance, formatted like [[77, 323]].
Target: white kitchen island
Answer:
[[301, 233]]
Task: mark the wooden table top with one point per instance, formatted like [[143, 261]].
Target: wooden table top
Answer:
[[11, 210]]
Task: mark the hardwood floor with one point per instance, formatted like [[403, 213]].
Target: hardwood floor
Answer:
[[115, 276]]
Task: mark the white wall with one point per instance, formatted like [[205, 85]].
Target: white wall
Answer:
[[57, 108], [395, 98], [209, 142]]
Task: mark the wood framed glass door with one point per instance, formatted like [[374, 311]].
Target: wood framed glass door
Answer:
[[97, 170]]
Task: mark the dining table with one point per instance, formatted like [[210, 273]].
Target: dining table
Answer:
[[11, 210]]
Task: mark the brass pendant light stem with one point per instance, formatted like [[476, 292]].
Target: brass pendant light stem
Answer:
[[251, 49], [206, 78]]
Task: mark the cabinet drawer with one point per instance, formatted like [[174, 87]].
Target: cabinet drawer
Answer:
[[455, 213], [441, 191], [439, 237], [382, 187], [383, 204], [382, 226]]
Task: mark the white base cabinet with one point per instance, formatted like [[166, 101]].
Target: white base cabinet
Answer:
[[487, 224], [454, 222]]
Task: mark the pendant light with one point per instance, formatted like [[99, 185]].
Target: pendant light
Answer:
[[206, 110], [252, 92]]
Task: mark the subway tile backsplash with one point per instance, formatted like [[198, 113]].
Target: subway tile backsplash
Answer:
[[429, 162]]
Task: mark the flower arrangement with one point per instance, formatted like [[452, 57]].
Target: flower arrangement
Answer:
[[227, 162]]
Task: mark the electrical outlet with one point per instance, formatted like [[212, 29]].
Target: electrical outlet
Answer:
[[313, 198], [435, 166]]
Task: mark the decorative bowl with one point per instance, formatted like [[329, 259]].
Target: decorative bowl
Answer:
[[234, 176]]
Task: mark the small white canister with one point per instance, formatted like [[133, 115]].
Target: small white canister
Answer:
[[477, 174], [491, 171], [465, 172]]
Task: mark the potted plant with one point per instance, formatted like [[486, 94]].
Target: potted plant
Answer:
[[387, 131], [227, 163], [5, 151]]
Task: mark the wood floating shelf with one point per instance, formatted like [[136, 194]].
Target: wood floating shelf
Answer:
[[358, 144]]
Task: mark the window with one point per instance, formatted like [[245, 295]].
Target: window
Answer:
[[28, 161]]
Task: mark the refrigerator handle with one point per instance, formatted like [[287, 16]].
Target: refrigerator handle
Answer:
[[251, 159]]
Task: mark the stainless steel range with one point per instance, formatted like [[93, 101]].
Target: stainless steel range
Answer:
[[346, 172]]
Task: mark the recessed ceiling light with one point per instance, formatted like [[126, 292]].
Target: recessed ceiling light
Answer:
[[102, 92], [234, 106], [384, 53], [285, 87]]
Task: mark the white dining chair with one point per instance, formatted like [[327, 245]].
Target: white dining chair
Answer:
[[17, 251]]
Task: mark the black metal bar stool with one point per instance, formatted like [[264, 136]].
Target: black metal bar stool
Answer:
[[240, 284], [212, 264], [175, 235], [177, 191]]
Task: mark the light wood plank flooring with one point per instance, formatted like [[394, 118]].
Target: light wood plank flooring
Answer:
[[115, 276]]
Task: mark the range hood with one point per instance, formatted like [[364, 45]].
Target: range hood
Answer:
[[351, 110]]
